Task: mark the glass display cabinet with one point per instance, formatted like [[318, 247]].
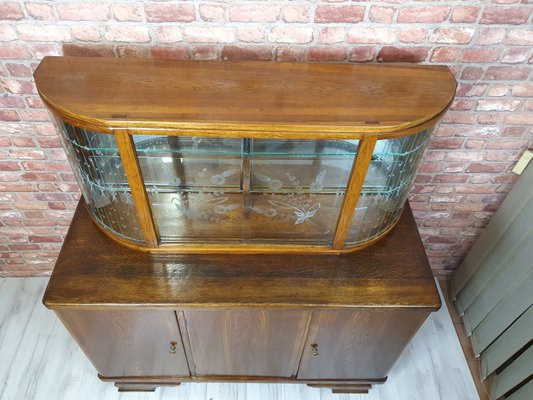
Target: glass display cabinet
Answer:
[[215, 170], [194, 157]]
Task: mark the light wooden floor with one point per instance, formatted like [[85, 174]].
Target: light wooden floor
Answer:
[[39, 360]]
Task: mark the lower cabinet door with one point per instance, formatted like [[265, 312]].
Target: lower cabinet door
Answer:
[[246, 342], [128, 343], [356, 344]]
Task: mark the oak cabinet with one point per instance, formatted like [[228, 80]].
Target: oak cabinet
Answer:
[[249, 219], [314, 345], [128, 342], [147, 320]]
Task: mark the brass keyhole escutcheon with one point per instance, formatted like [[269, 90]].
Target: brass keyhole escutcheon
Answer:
[[314, 349], [173, 346]]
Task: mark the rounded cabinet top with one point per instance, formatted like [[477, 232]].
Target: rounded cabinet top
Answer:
[[245, 99]]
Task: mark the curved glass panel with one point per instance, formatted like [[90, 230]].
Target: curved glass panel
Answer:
[[251, 191], [389, 178], [244, 190], [100, 174]]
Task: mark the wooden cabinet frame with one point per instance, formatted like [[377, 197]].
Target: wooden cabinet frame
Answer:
[[210, 311], [301, 318]]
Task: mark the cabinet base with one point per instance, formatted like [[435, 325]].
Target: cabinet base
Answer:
[[150, 383]]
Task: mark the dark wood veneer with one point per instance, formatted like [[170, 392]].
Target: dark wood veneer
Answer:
[[357, 343], [128, 343], [148, 320], [246, 342], [92, 271]]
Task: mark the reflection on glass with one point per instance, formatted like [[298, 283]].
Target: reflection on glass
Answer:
[[297, 188], [193, 186], [244, 190], [252, 191], [387, 184], [100, 174]]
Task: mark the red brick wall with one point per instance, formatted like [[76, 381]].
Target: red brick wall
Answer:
[[466, 175]]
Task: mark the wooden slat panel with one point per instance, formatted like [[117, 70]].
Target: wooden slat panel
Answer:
[[513, 375], [498, 259], [356, 181], [524, 393], [515, 268], [508, 344], [500, 222], [503, 315], [135, 180]]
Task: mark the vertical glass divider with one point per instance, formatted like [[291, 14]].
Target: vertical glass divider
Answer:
[[353, 190], [132, 168], [246, 175], [246, 183]]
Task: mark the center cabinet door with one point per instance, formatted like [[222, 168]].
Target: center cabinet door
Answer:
[[246, 342]]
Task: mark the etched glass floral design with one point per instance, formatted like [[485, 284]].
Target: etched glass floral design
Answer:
[[296, 201], [193, 185], [252, 191], [297, 186], [244, 190]]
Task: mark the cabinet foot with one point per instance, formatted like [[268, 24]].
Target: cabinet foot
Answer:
[[135, 387], [347, 388], [139, 384], [349, 391], [142, 386]]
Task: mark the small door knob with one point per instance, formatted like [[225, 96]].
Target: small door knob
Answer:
[[314, 349], [173, 346]]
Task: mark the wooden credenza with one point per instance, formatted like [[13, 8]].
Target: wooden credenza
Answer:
[[148, 320]]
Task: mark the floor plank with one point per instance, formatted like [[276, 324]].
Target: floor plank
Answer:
[[465, 342], [39, 361]]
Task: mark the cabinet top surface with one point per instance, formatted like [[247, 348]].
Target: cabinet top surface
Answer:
[[279, 98], [92, 270]]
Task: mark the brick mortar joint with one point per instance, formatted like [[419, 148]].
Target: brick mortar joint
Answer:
[[460, 68]]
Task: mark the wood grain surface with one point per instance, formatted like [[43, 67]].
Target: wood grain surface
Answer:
[[363, 344], [136, 184], [246, 342], [353, 191], [392, 273], [128, 343], [284, 99]]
